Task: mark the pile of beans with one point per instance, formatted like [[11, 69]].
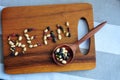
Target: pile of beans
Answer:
[[62, 55]]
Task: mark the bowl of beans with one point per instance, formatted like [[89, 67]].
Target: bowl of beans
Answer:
[[62, 55]]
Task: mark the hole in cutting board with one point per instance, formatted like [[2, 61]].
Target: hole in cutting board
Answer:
[[82, 30]]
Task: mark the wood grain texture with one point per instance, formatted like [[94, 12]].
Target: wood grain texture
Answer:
[[16, 19]]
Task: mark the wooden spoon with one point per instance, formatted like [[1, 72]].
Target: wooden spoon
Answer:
[[71, 48]]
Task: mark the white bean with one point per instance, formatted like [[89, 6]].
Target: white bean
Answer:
[[12, 50], [16, 53], [19, 44], [64, 62], [30, 46], [46, 30], [45, 37], [66, 51], [20, 38], [24, 49], [67, 24], [25, 31], [28, 38], [63, 48], [23, 45], [45, 42], [60, 59], [58, 31], [58, 50], [59, 37], [11, 43], [26, 35], [29, 42], [67, 34], [13, 46], [35, 45], [48, 35], [32, 38]]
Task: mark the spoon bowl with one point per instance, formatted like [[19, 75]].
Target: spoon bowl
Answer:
[[69, 50]]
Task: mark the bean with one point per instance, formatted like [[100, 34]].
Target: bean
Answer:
[[58, 31], [35, 45], [12, 54], [45, 37], [60, 56], [26, 35], [61, 50], [67, 34], [20, 38], [30, 46], [23, 45], [59, 37], [67, 24], [52, 34], [29, 42], [19, 44], [28, 38], [25, 31], [48, 35], [16, 53], [58, 50], [16, 35], [60, 59], [64, 62], [30, 29], [54, 39], [57, 25], [11, 43], [24, 49], [32, 37], [13, 46], [45, 42], [12, 49], [68, 29], [61, 28], [48, 28]]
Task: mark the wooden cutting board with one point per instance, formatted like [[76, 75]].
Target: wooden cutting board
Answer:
[[16, 19]]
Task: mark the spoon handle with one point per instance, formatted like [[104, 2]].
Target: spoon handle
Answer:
[[91, 33]]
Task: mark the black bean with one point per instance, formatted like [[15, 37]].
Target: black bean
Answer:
[[68, 29], [67, 58], [17, 35], [12, 54], [60, 53], [64, 57], [61, 28], [61, 50], [13, 48], [54, 39], [69, 35], [30, 29], [52, 34], [48, 28], [68, 54]]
